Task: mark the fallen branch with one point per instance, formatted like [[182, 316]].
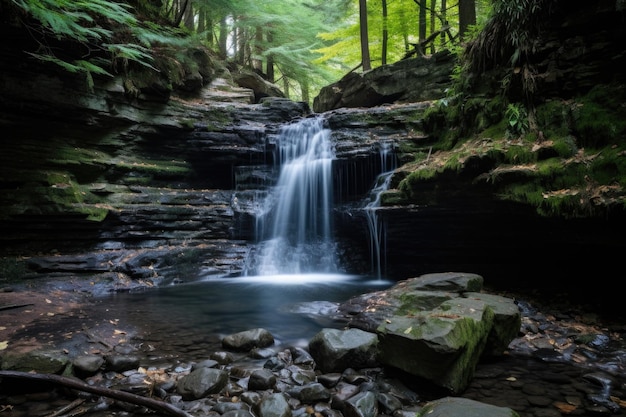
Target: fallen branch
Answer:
[[157, 405], [67, 408], [10, 306]]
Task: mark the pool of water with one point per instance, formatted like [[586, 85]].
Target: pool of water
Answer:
[[188, 321]]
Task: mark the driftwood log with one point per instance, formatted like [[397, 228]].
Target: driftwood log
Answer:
[[153, 404]]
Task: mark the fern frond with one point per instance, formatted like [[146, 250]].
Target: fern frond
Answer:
[[131, 52]]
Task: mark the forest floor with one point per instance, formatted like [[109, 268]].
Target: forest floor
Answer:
[[21, 308]]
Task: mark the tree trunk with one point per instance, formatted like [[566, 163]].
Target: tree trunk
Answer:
[[467, 16], [304, 87], [223, 37], [257, 62], [385, 34], [365, 47], [269, 65], [433, 23], [422, 21], [444, 22], [189, 17]]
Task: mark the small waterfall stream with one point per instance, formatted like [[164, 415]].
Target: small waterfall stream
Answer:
[[374, 223], [295, 223]]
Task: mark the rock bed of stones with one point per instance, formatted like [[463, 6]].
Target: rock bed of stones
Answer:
[[548, 372]]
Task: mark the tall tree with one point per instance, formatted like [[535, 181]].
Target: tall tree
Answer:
[[444, 21], [422, 19], [385, 34], [467, 16], [365, 46]]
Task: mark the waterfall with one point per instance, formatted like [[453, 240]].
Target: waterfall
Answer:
[[294, 225], [374, 223]]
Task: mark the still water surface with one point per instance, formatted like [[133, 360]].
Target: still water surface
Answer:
[[188, 321]]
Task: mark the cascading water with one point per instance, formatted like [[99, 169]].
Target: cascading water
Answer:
[[295, 224], [374, 223]]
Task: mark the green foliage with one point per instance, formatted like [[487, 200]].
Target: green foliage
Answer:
[[553, 118], [599, 118], [508, 35], [80, 21], [565, 147], [517, 117], [609, 167], [519, 154]]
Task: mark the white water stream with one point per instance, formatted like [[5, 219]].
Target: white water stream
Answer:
[[374, 223], [295, 224]]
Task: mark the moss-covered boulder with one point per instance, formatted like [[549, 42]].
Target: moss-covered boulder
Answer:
[[436, 326]]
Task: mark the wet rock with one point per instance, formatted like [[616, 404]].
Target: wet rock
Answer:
[[88, 364], [388, 403], [261, 379], [248, 339], [436, 319], [238, 413], [223, 358], [229, 406], [329, 380], [209, 363], [302, 357], [363, 404], [201, 382], [336, 350], [44, 362], [312, 393], [452, 406], [275, 405], [121, 363]]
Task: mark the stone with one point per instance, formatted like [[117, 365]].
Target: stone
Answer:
[[42, 362], [442, 345], [202, 382], [463, 407], [261, 379], [363, 404], [336, 350], [248, 340], [275, 405], [409, 80], [121, 363], [436, 326], [88, 364]]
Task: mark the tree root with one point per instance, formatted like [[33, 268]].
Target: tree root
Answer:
[[156, 405]]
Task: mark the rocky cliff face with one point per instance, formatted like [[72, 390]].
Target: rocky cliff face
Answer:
[[100, 185]]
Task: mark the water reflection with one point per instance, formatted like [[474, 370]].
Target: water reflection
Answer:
[[188, 321]]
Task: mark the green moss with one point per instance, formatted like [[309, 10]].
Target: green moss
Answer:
[[519, 154], [187, 123], [556, 205], [94, 213], [497, 130], [453, 163], [528, 193], [553, 118], [609, 167], [550, 167], [409, 184], [565, 147], [156, 169], [393, 198], [599, 118]]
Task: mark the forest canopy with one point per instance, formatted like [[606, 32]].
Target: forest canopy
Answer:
[[301, 45]]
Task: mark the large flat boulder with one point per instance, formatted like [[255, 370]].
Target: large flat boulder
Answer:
[[436, 326]]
